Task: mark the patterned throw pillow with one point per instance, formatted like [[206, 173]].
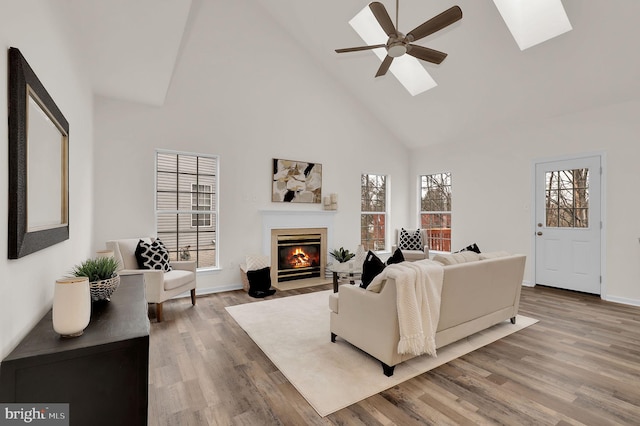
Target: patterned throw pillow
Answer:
[[410, 240], [153, 256], [472, 247]]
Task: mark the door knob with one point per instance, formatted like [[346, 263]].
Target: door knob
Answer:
[[539, 225], [539, 232]]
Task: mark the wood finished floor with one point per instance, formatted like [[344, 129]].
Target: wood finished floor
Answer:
[[580, 364]]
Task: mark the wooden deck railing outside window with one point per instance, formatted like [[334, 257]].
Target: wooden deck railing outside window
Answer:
[[439, 239]]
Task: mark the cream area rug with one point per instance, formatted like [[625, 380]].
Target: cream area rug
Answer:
[[294, 333]]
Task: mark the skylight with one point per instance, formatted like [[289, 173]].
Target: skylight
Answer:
[[407, 69], [532, 22]]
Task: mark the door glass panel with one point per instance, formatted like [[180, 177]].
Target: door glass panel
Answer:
[[567, 198]]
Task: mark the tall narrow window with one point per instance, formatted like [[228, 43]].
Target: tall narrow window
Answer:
[[187, 206], [373, 212], [435, 209]]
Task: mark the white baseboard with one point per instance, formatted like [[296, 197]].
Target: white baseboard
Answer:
[[212, 290], [614, 299], [622, 300]]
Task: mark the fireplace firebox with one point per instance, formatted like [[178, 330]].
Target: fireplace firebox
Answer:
[[298, 255]]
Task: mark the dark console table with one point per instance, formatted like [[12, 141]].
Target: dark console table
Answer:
[[103, 375]]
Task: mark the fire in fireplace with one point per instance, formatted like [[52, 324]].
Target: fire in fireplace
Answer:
[[298, 256]]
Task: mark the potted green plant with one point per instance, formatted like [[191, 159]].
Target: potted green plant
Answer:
[[341, 255], [102, 275]]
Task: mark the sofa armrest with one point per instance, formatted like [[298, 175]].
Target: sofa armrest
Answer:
[[368, 320]]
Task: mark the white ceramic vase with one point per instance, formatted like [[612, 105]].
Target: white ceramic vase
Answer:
[[360, 256], [71, 306]]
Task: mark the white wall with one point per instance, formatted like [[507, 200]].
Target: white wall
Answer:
[[247, 100], [26, 284], [492, 186]]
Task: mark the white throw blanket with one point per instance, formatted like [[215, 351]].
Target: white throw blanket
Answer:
[[419, 290]]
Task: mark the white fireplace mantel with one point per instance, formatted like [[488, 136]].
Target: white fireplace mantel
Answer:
[[286, 219]]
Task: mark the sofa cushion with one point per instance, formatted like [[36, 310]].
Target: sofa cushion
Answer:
[[410, 240], [396, 257], [445, 259], [494, 255], [152, 255], [467, 256], [177, 278], [371, 267], [456, 258]]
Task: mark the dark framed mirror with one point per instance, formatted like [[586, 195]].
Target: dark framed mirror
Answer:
[[38, 163]]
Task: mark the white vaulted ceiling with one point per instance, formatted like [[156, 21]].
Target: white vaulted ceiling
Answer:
[[131, 46], [486, 81]]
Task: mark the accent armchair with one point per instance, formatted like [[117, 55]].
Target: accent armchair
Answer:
[[160, 285], [413, 255]]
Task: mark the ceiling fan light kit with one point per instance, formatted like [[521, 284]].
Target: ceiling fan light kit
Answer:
[[398, 44]]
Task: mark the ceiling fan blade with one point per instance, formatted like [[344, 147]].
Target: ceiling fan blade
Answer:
[[385, 66], [436, 23], [355, 49], [383, 18], [426, 54]]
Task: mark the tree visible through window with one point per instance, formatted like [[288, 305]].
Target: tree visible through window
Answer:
[[187, 206], [567, 198], [435, 209], [373, 212]]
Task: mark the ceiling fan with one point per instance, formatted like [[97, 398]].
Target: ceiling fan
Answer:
[[399, 44]]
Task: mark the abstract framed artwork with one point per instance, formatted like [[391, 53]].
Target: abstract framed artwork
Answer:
[[38, 163], [296, 182]]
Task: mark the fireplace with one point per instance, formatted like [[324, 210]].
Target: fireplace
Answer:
[[298, 255]]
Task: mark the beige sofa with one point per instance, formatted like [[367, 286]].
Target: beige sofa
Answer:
[[477, 292]]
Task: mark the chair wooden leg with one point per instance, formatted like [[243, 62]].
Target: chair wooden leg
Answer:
[[159, 311], [193, 297]]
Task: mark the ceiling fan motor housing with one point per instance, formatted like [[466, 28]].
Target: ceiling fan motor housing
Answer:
[[396, 46], [396, 49]]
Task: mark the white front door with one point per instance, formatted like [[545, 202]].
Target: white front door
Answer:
[[568, 224]]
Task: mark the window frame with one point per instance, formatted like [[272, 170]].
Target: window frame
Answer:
[[567, 189], [213, 212], [444, 238], [384, 213], [196, 194]]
